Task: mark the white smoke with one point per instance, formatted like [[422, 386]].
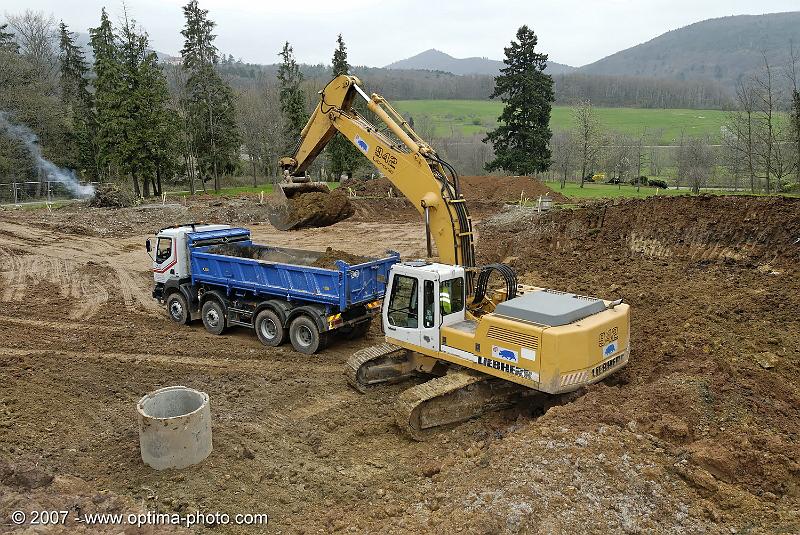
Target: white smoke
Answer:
[[51, 171]]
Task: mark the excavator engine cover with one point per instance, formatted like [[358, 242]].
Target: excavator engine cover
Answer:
[[550, 307]]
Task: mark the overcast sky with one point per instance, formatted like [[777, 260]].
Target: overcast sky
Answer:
[[377, 32]]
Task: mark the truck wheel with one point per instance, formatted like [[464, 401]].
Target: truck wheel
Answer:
[[269, 328], [304, 335], [213, 317], [177, 308]]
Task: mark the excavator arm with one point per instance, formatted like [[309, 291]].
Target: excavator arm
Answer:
[[409, 163]]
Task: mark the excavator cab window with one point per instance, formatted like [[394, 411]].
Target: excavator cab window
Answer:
[[451, 296], [164, 250], [404, 302]]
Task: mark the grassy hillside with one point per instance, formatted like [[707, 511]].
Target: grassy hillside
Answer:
[[725, 49], [477, 116]]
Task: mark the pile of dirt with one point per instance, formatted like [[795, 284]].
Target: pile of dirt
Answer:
[[370, 187], [507, 189], [314, 209], [707, 227], [475, 188], [288, 256], [700, 273], [111, 196], [328, 260]]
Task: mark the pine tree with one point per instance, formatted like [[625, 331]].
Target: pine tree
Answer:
[[79, 105], [7, 41], [343, 156], [209, 99], [521, 140], [108, 92], [293, 102]]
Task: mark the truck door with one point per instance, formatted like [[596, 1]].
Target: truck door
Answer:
[[165, 259], [402, 312]]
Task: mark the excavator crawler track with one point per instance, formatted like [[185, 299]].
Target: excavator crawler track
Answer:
[[458, 396], [377, 365]]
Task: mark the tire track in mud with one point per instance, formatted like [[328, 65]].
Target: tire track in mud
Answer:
[[84, 270]]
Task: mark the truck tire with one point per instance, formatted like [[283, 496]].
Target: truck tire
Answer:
[[305, 336], [213, 316], [269, 328], [178, 308]]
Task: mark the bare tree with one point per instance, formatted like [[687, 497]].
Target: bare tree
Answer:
[[588, 136], [740, 130], [696, 161], [640, 157], [35, 33], [794, 108], [562, 145]]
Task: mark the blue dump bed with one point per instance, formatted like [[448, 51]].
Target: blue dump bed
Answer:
[[283, 272]]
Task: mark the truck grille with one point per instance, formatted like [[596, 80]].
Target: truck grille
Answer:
[[512, 337]]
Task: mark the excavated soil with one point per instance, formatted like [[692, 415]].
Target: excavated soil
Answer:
[[698, 434], [318, 209], [507, 189], [496, 189]]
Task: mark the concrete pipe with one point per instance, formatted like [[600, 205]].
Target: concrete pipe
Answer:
[[174, 427]]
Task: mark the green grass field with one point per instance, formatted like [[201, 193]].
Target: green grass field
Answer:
[[478, 116]]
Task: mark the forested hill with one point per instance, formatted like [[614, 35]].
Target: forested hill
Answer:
[[436, 60], [726, 50]]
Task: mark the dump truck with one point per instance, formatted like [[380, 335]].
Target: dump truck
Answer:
[[217, 274]]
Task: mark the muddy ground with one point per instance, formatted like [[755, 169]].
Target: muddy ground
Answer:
[[699, 434]]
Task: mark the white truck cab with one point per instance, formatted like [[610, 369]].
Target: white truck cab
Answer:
[[421, 298], [170, 255]]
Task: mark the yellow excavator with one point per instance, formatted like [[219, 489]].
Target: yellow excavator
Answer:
[[483, 347]]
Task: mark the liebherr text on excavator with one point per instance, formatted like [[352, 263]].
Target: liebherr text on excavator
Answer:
[[483, 347]]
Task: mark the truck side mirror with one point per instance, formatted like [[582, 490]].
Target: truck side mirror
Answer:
[[147, 245]]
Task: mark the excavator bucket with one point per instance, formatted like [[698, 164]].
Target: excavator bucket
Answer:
[[304, 204]]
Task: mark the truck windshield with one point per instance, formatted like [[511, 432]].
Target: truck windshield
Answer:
[[164, 249]]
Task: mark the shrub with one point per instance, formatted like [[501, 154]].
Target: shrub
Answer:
[[657, 183]]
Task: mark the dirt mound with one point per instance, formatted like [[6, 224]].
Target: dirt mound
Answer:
[[328, 260], [474, 188], [315, 209], [708, 227], [507, 188], [111, 196], [288, 256], [700, 274], [370, 187]]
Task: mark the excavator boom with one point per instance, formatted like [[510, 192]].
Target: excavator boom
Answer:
[[408, 162]]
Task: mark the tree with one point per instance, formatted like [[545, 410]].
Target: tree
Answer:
[[588, 137], [563, 148], [210, 101], [137, 129], [344, 157], [7, 42], [696, 161], [292, 98], [521, 140], [35, 33], [108, 93], [740, 128], [794, 109], [79, 104]]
